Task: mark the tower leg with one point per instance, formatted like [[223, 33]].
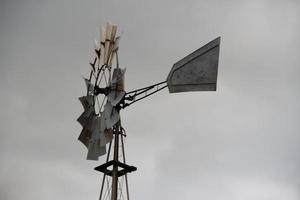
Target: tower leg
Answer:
[[124, 160], [114, 191], [104, 175]]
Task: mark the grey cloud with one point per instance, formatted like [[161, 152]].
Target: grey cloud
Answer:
[[241, 142]]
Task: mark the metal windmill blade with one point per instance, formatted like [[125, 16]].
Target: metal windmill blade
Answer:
[[101, 120]]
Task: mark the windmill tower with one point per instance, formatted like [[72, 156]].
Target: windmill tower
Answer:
[[106, 97]]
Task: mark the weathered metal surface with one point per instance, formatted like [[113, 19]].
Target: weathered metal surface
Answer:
[[197, 71]]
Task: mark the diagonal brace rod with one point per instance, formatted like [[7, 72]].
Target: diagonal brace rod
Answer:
[[133, 96]]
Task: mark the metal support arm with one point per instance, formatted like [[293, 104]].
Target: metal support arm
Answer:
[[133, 96], [139, 94]]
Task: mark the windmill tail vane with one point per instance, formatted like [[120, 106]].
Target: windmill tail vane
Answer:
[[102, 131]]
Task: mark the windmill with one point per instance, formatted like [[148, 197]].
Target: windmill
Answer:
[[102, 131]]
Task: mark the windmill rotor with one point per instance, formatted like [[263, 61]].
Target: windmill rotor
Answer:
[[106, 97], [100, 114]]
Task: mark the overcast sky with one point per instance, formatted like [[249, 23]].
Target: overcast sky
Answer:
[[239, 143]]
